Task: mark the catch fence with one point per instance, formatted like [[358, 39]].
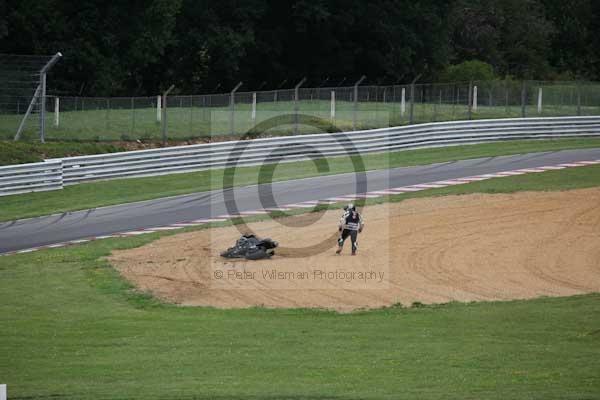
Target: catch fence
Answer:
[[305, 110]]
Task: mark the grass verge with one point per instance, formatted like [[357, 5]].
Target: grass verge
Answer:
[[96, 194], [23, 152], [72, 328]]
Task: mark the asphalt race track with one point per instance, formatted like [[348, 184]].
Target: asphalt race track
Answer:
[[42, 231]]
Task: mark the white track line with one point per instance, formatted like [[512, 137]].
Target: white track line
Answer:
[[472, 179], [528, 170], [511, 173], [569, 165], [337, 199], [384, 192], [229, 216], [79, 241], [27, 250], [429, 186], [319, 202], [104, 237], [361, 196], [449, 183], [407, 189], [185, 224]]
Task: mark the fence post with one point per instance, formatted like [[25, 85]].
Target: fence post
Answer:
[[403, 102], [254, 107], [439, 106], [192, 116], [411, 113], [132, 116], [56, 111], [158, 108], [29, 109], [43, 107], [475, 98], [276, 90], [232, 108], [296, 105], [455, 100], [435, 105], [43, 72], [523, 99], [539, 102], [411, 116], [506, 109], [355, 99], [164, 113], [470, 101], [107, 123], [394, 99], [578, 98], [332, 111]]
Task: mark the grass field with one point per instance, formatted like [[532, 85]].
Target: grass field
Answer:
[[104, 193], [71, 328], [126, 122]]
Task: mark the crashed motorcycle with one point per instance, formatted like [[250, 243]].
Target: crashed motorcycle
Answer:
[[251, 247]]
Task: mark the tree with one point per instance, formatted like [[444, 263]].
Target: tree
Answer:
[[475, 27], [3, 20], [473, 70], [106, 49], [575, 40], [140, 47], [512, 35]]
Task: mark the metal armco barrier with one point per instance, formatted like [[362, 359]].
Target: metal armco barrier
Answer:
[[35, 177], [296, 148]]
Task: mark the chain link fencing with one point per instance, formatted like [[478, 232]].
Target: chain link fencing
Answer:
[[22, 81], [327, 109]]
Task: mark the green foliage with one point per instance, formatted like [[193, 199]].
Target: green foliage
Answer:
[[108, 46], [512, 35], [473, 70], [575, 37], [126, 48]]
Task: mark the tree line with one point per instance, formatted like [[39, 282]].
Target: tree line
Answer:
[[139, 47]]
